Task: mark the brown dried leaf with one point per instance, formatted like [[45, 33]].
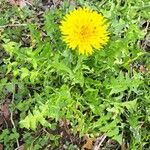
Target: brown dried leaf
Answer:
[[56, 2], [63, 122], [123, 146], [21, 147], [1, 147], [89, 143], [1, 120], [20, 3], [5, 111], [142, 69]]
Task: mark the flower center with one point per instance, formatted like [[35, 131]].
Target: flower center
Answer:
[[84, 32]]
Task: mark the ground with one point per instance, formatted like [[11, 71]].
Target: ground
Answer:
[[53, 98]]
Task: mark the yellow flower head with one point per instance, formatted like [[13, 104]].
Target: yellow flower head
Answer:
[[84, 29]]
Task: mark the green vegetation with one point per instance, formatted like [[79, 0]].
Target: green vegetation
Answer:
[[51, 97]]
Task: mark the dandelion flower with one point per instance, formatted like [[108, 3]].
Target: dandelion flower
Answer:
[[85, 30]]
